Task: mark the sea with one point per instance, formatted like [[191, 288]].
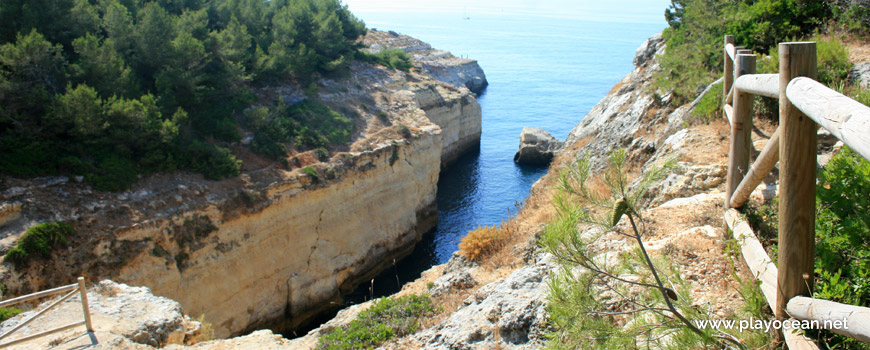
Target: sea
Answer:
[[548, 62]]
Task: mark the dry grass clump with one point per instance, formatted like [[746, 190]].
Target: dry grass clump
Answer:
[[482, 241]]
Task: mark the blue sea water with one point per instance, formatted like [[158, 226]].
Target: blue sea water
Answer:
[[548, 63]]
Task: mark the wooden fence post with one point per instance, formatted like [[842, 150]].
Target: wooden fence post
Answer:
[[797, 180], [741, 129], [728, 80], [85, 308]]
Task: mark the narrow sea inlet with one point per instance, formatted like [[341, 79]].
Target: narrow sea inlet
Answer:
[[547, 63]]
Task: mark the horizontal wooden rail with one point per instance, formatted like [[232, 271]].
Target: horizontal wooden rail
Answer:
[[73, 289], [764, 270], [759, 84], [42, 334], [845, 118], [37, 295], [47, 309], [729, 113], [857, 319], [760, 169], [731, 51]]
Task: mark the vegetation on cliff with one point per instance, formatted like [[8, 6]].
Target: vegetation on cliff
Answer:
[[842, 259], [696, 29], [113, 89], [388, 318], [39, 240]]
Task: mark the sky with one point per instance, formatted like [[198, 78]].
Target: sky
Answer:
[[637, 11]]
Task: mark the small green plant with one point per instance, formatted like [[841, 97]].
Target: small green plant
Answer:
[[710, 105], [321, 153], [391, 58], [388, 318], [308, 170], [8, 312], [40, 240]]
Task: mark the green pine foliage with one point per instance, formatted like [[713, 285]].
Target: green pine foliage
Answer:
[[696, 29], [113, 89], [388, 318]]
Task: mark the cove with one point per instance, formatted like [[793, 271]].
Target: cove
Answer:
[[547, 62]]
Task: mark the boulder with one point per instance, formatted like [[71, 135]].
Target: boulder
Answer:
[[861, 74], [537, 147]]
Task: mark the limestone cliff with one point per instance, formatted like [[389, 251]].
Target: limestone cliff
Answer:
[[458, 116], [280, 242]]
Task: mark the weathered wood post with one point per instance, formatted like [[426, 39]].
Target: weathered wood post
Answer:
[[728, 80], [85, 308], [797, 180], [741, 129]]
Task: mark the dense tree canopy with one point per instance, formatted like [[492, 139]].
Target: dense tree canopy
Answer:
[[110, 89]]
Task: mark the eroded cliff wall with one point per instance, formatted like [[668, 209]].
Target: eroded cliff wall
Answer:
[[458, 115], [312, 240], [277, 243]]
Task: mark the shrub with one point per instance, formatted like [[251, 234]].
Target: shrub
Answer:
[[390, 58], [308, 170], [842, 252], [8, 312], [211, 160], [308, 124], [386, 319], [40, 239], [710, 105], [482, 241], [321, 153]]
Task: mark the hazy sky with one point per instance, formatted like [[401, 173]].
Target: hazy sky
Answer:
[[643, 11]]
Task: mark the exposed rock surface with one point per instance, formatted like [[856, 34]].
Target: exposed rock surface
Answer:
[[274, 245], [537, 147], [441, 65], [123, 317], [510, 313], [860, 73]]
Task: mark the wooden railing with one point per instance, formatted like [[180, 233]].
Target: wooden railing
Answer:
[[73, 289], [804, 104]]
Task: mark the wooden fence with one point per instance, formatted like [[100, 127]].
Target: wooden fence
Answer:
[[72, 289], [804, 105]]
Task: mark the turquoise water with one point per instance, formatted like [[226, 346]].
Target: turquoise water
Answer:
[[548, 63]]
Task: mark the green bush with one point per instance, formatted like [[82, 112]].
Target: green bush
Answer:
[[310, 172], [842, 252], [307, 124], [213, 161], [8, 312], [390, 58], [41, 240], [710, 106], [388, 318], [693, 57]]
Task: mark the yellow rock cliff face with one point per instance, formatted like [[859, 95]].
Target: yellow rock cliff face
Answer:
[[308, 243], [277, 244], [457, 112]]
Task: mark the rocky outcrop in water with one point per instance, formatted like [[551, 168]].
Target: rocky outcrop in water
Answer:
[[537, 147]]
